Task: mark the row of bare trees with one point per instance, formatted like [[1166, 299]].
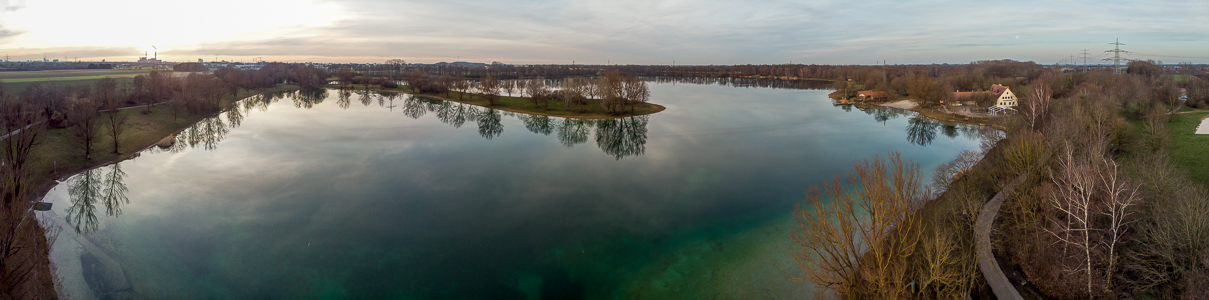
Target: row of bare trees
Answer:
[[613, 92]]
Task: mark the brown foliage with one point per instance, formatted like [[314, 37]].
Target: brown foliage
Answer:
[[859, 241]]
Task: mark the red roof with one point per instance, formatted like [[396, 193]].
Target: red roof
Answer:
[[960, 95], [998, 89], [880, 94]]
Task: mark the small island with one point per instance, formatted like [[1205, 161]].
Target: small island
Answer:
[[612, 95]]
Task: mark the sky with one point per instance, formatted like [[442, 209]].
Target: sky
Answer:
[[599, 32]]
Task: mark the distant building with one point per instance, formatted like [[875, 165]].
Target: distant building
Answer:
[[871, 95], [153, 60], [1002, 94], [200, 61], [1005, 100]]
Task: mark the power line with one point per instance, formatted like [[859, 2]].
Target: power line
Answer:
[[1116, 58], [1171, 56]]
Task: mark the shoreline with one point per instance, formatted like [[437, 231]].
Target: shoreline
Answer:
[[49, 180], [934, 114]]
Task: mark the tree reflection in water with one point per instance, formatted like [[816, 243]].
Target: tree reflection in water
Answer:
[[921, 130], [365, 97], [414, 107], [622, 137], [949, 130], [574, 131], [88, 188], [342, 98], [538, 124], [619, 137], [489, 123]]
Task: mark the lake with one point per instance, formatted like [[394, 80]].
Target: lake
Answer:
[[350, 195]]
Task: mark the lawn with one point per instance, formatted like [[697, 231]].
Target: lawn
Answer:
[[19, 80], [35, 75], [1188, 149]]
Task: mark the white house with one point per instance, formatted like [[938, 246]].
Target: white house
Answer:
[[1004, 96]]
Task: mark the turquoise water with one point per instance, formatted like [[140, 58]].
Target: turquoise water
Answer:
[[345, 195]]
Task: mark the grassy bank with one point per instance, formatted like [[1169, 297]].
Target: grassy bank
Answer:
[[525, 105], [57, 156], [1188, 148]]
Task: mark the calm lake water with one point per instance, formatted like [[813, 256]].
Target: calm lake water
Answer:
[[343, 195]]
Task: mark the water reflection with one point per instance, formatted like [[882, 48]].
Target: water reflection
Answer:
[[537, 124], [746, 82], [342, 98], [365, 97], [414, 107], [618, 137], [622, 137], [922, 130], [89, 188], [489, 123], [574, 131], [211, 242]]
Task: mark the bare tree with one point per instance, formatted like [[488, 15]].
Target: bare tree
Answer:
[[490, 88], [1075, 187], [537, 90], [1037, 105], [24, 124], [116, 119], [85, 127], [1120, 197], [636, 91], [866, 232], [509, 86], [948, 172]]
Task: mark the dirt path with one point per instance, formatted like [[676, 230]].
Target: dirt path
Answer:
[[1203, 128], [986, 260], [903, 104]]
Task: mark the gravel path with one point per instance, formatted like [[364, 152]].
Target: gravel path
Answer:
[[986, 260]]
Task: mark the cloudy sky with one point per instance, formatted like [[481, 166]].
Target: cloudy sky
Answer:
[[616, 31]]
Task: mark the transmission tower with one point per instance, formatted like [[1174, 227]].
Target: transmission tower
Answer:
[[1116, 57], [1085, 55]]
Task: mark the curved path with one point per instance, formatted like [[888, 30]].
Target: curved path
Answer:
[[986, 260]]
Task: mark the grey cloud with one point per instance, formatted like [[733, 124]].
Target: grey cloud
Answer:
[[727, 32]]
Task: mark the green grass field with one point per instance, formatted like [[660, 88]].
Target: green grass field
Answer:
[[20, 80], [1181, 78], [1188, 149]]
